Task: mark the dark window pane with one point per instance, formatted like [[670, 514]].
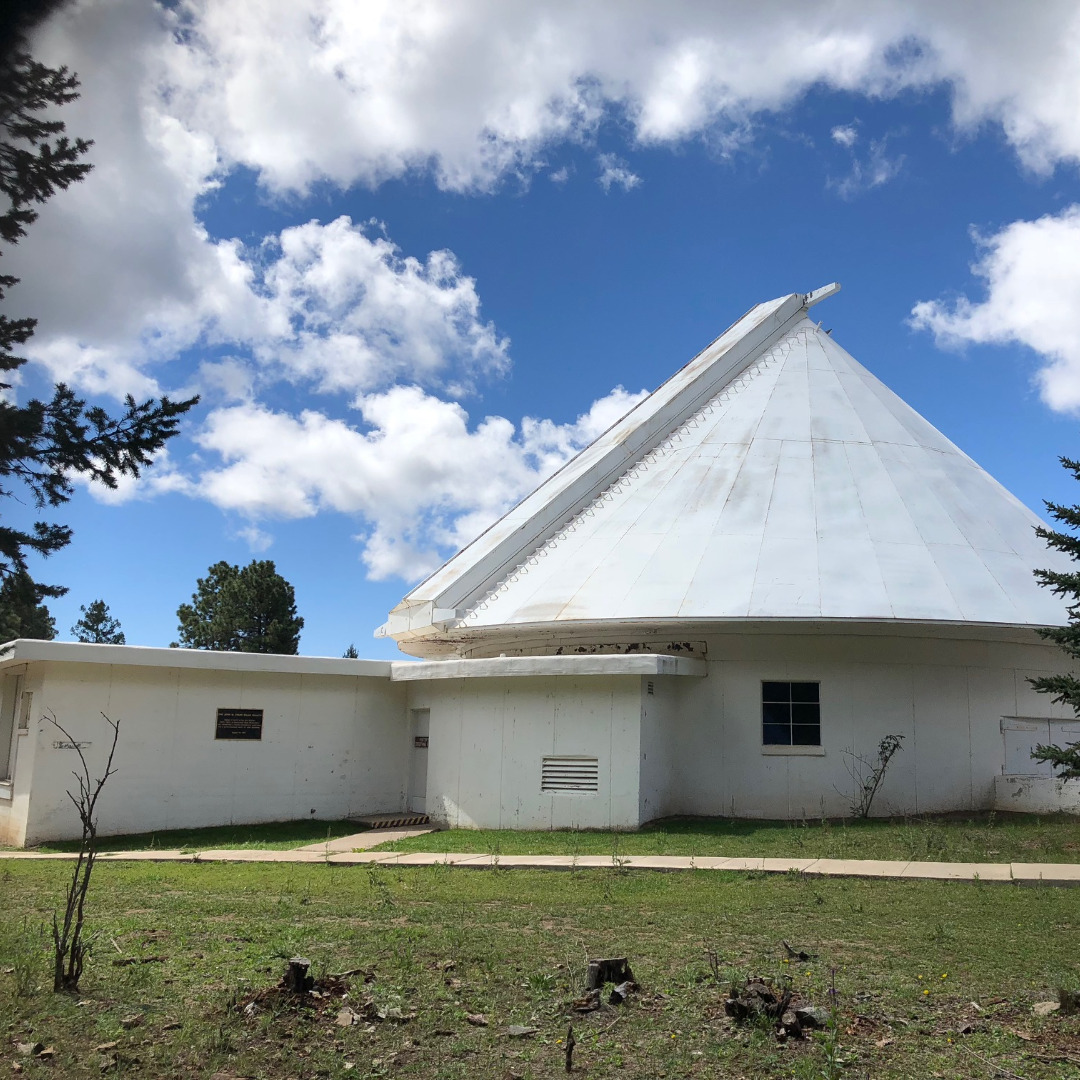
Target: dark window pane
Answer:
[[804, 691], [806, 714], [776, 712], [776, 735], [805, 735], [776, 691]]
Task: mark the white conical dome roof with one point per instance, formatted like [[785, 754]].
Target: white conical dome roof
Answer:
[[774, 478]]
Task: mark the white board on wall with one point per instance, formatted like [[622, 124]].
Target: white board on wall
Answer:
[[1022, 734]]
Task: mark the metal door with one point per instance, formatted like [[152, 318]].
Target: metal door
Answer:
[[418, 764]]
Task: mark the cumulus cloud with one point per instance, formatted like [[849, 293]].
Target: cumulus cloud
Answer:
[[165, 478], [356, 314], [1032, 277], [115, 267], [875, 168], [615, 171], [845, 134], [123, 274], [255, 538], [423, 479], [475, 90], [336, 305]]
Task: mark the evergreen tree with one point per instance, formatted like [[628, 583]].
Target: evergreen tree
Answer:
[[22, 614], [97, 626], [44, 444], [350, 653], [252, 609], [210, 620], [1064, 688]]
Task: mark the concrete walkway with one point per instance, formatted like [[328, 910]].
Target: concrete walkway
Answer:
[[361, 841], [344, 851]]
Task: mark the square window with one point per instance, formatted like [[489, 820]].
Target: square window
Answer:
[[776, 712], [790, 714], [776, 691], [776, 734]]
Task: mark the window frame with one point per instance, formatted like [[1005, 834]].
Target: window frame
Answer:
[[797, 702]]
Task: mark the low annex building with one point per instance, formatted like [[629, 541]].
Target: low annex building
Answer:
[[765, 567]]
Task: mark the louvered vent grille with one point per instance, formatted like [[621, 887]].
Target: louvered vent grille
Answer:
[[580, 775]]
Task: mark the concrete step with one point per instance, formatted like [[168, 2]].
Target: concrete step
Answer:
[[391, 821]]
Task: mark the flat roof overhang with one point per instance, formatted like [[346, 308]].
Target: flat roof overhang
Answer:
[[503, 667], [27, 650]]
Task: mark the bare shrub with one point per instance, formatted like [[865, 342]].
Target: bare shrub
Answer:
[[70, 948], [868, 774]]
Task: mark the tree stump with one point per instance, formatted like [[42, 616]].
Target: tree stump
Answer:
[[296, 978], [615, 970]]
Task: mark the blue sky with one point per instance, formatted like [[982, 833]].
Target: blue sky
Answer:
[[413, 255]]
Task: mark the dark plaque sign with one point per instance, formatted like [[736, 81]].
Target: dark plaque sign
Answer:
[[239, 724], [420, 742]]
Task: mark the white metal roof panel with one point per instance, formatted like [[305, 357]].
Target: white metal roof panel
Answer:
[[797, 487]]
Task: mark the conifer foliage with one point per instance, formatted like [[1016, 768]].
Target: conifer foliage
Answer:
[[96, 625], [234, 609], [22, 615], [44, 444], [1064, 688]]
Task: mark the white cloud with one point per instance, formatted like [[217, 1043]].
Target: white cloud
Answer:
[[331, 305], [115, 265], [423, 480], [877, 167], [164, 477], [123, 275], [359, 315], [613, 170], [229, 379], [255, 538], [1032, 275], [475, 90], [845, 134]]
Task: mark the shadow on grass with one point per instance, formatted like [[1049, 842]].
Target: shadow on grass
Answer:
[[274, 835]]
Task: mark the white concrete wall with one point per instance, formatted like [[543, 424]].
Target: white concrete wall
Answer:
[[332, 746], [488, 737], [1036, 795], [339, 744], [947, 698]]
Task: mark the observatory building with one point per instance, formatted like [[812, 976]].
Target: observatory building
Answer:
[[767, 566], [818, 566]]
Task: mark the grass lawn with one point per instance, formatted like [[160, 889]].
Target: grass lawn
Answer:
[[277, 836], [932, 979], [981, 838]]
